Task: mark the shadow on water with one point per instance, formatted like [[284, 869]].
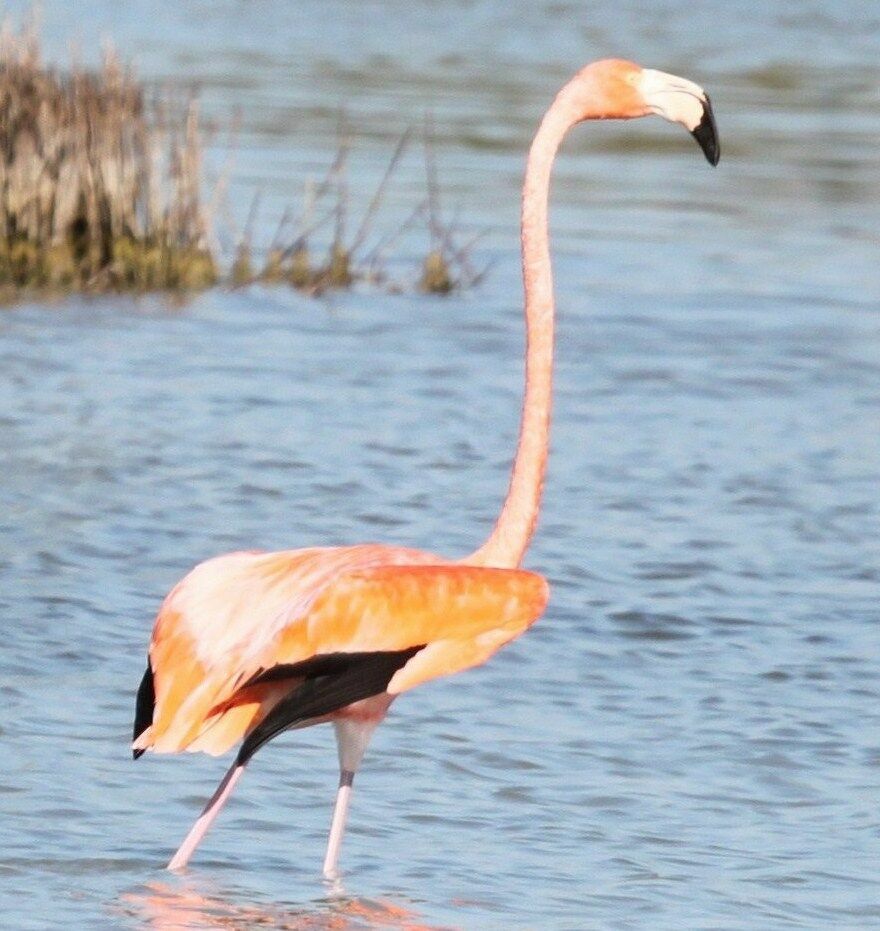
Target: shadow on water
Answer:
[[193, 904]]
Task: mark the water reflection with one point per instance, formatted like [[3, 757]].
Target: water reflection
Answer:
[[164, 906]]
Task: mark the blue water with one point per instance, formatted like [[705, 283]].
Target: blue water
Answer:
[[690, 738]]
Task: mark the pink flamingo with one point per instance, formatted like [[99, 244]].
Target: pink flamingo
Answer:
[[251, 644]]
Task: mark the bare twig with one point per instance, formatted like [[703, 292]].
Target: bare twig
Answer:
[[376, 201]]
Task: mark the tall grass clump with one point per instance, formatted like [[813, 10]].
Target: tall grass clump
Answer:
[[99, 190]]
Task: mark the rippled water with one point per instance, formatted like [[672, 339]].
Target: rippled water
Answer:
[[691, 736]]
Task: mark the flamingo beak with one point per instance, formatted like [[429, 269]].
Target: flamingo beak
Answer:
[[681, 101], [706, 134]]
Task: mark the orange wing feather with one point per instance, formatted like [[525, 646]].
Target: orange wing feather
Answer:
[[463, 613], [238, 614]]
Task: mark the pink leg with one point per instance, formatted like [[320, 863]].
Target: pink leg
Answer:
[[206, 818], [337, 825], [352, 737]]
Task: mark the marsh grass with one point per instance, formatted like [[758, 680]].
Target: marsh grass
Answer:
[[447, 266], [343, 263], [346, 260], [101, 190]]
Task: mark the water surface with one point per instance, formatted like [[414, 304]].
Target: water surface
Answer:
[[689, 738]]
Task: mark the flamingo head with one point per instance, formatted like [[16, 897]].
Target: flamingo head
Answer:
[[618, 89]]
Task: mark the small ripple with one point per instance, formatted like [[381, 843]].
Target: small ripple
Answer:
[[375, 519], [249, 490], [670, 571], [732, 622], [644, 625], [776, 675]]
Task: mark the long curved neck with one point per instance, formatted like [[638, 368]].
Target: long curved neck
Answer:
[[510, 537]]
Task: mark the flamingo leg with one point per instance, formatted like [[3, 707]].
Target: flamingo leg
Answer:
[[206, 818], [352, 738], [337, 825]]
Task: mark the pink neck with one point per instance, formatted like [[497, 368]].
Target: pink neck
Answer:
[[510, 537]]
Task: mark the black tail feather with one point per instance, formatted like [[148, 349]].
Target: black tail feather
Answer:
[[143, 708], [332, 682]]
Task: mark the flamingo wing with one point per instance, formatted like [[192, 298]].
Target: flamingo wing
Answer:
[[459, 614], [230, 636]]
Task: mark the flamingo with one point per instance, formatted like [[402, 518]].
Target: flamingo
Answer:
[[251, 644]]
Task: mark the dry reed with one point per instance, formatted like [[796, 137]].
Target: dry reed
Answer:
[[97, 190], [445, 268], [101, 190]]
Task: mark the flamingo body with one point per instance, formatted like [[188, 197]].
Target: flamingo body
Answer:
[[236, 616]]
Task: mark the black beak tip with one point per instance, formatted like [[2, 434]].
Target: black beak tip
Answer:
[[706, 135]]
